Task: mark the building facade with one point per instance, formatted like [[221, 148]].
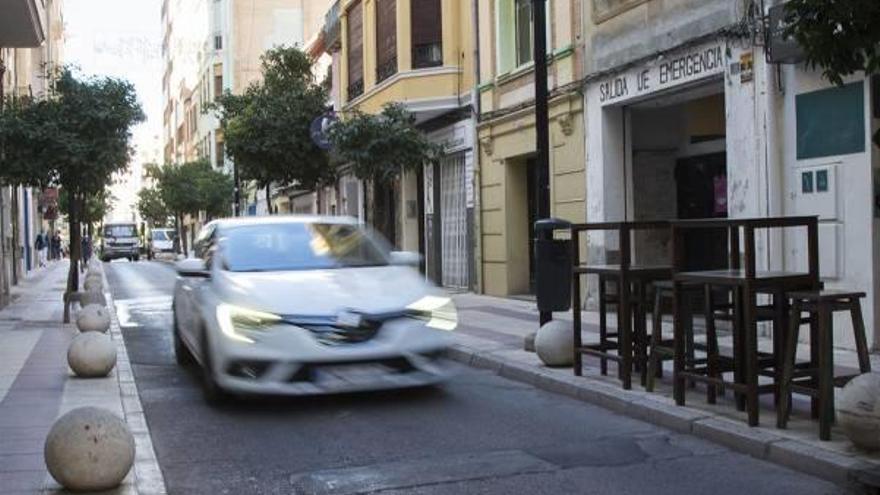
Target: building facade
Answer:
[[687, 118], [506, 175], [213, 47], [419, 53], [31, 44]]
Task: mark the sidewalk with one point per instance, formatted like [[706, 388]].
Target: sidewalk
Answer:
[[36, 387], [491, 334]]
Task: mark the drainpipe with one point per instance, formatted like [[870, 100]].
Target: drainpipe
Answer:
[[475, 252]]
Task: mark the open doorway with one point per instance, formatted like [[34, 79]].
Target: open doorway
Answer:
[[678, 170]]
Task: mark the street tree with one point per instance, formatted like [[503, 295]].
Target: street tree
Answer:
[[267, 128], [378, 149], [190, 188], [151, 207], [840, 37], [76, 138]]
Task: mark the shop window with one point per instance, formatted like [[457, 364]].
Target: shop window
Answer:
[[831, 121], [386, 39], [427, 34], [355, 41]]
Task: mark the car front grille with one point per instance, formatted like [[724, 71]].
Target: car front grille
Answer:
[[313, 372], [333, 335]]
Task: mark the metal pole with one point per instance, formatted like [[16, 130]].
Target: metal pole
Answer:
[[542, 121], [236, 207]]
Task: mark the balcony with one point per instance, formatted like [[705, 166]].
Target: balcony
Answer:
[[21, 24], [332, 27]]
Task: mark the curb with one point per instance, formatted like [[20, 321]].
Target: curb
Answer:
[[759, 443], [148, 478]]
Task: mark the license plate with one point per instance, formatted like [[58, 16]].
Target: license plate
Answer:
[[355, 372]]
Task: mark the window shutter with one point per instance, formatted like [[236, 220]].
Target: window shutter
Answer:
[[427, 33], [386, 38], [355, 50]]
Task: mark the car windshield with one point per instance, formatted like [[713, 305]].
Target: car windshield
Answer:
[[119, 231], [161, 235], [299, 246]]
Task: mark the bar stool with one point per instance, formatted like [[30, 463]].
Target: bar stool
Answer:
[[639, 308], [818, 380]]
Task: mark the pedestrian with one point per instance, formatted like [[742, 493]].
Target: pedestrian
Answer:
[[56, 246], [86, 248], [40, 245]]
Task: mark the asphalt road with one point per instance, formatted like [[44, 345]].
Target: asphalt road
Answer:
[[478, 434]]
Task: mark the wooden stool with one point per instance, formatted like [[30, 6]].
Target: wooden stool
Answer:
[[818, 380]]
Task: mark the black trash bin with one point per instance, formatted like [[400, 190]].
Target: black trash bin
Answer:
[[552, 266]]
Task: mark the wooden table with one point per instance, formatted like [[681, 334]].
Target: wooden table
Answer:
[[746, 282], [626, 274]]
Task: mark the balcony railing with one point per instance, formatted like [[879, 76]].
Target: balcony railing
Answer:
[[427, 55], [355, 89], [386, 70]]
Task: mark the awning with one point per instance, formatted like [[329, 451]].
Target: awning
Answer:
[[21, 24]]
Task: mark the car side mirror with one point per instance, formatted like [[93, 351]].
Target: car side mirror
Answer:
[[192, 267], [406, 258]]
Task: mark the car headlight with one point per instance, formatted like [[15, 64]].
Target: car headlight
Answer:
[[437, 311], [237, 322]]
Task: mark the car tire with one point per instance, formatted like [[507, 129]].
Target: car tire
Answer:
[[212, 391], [136, 258], [181, 352]]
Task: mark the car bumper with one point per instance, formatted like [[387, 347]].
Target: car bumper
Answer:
[[120, 251], [389, 362]]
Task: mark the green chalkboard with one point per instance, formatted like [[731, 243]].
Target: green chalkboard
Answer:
[[831, 121]]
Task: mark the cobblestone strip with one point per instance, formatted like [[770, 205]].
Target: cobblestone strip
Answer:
[[148, 475]]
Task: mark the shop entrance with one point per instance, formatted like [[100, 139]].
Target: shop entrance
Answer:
[[677, 169]]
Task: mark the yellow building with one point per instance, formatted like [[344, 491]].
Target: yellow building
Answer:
[[419, 53], [506, 130]]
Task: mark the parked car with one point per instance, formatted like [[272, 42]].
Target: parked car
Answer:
[[120, 240], [307, 305], [161, 242]]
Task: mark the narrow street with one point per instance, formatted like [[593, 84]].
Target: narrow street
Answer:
[[479, 434]]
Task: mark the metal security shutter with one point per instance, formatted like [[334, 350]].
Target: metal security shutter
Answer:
[[453, 221], [355, 40], [386, 39]]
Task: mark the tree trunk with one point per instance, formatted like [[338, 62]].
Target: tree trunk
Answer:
[[75, 250], [15, 235], [177, 239], [269, 198]]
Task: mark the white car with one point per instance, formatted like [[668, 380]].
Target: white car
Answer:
[[161, 242], [306, 305]]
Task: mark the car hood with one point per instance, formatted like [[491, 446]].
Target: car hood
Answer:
[[368, 290]]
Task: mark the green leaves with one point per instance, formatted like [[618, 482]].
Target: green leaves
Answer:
[[152, 208], [266, 129], [186, 189], [380, 147], [839, 36]]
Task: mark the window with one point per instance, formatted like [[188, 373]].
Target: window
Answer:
[[427, 34], [355, 41], [516, 34], [386, 39], [218, 85], [219, 150], [218, 42], [524, 32]]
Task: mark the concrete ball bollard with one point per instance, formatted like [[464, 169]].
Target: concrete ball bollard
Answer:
[[93, 318], [91, 355], [93, 284], [92, 297], [554, 343], [858, 411], [89, 449]]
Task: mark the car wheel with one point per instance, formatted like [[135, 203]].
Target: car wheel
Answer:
[[213, 392], [181, 352], [137, 258]]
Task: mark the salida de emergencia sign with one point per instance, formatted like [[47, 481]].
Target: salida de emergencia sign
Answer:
[[671, 71]]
